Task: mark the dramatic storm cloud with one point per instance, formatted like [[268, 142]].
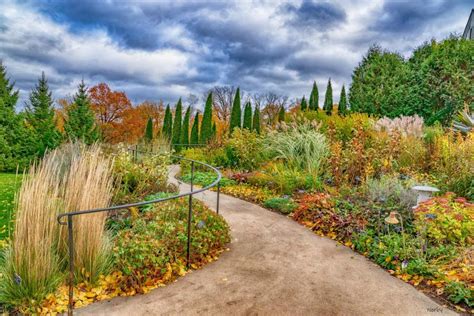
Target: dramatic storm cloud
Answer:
[[165, 50]]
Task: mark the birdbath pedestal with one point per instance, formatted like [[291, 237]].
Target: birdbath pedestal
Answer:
[[424, 193]]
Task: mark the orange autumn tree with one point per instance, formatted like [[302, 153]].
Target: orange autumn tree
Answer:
[[132, 129], [110, 108]]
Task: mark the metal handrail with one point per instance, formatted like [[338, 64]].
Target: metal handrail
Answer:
[[70, 215]]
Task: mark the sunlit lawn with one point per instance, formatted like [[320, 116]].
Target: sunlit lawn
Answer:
[[9, 184]]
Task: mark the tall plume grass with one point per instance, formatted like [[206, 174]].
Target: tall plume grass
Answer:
[[68, 179]]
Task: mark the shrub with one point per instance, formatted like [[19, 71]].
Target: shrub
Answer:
[[206, 178], [244, 149], [446, 220], [404, 125], [390, 188], [281, 204], [248, 192]]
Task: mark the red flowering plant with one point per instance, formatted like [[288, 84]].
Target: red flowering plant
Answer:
[[446, 219]]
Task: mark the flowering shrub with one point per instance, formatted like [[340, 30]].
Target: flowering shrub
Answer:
[[405, 125], [446, 220]]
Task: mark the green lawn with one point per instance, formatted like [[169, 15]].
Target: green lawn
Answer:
[[9, 184]]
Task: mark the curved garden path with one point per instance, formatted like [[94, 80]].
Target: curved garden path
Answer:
[[276, 266]]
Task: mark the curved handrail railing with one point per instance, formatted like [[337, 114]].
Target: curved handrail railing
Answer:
[[69, 218]]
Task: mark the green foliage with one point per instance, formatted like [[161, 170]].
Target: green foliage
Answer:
[[185, 128], [206, 124], [244, 150], [80, 123], [314, 98], [460, 292], [281, 204], [328, 103], [342, 106], [256, 120], [248, 116], [303, 104], [167, 130], [236, 114], [7, 90], [281, 114], [176, 137], [9, 184], [195, 130], [149, 130], [205, 178]]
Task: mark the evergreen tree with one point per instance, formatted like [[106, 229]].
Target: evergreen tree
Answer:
[[303, 104], [7, 92], [206, 124], [256, 120], [80, 123], [40, 116], [342, 107], [281, 114], [195, 130], [167, 130], [185, 128], [314, 98], [149, 131], [214, 130], [176, 137], [248, 116], [236, 114], [328, 103]]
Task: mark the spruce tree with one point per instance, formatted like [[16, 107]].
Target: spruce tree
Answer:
[[80, 123], [248, 116], [342, 107], [256, 120], [328, 103], [167, 130], [185, 128], [314, 98], [176, 137], [195, 130], [303, 105], [281, 114], [149, 131], [7, 92], [206, 124], [236, 114], [40, 116]]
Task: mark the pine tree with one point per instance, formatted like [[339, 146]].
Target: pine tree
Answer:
[[176, 137], [342, 107], [248, 116], [40, 116], [256, 120], [281, 114], [195, 130], [149, 131], [303, 105], [167, 130], [236, 114], [206, 124], [80, 123], [7, 92], [185, 128], [328, 103], [314, 98]]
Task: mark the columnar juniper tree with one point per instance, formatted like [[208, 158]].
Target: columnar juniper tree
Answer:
[[328, 99], [206, 124], [256, 120], [342, 107], [195, 130], [185, 128], [80, 123], [176, 137], [214, 130], [40, 116], [303, 104], [236, 114], [149, 131], [167, 130], [281, 114], [314, 98], [248, 116]]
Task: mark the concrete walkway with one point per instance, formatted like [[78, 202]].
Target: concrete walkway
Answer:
[[276, 267]]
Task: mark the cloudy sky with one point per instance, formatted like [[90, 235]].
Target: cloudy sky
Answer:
[[163, 50]]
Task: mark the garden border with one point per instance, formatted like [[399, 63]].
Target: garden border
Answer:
[[70, 215]]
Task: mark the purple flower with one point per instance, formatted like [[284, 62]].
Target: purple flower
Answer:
[[404, 264]]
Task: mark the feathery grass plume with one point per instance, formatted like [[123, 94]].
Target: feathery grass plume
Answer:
[[31, 267]]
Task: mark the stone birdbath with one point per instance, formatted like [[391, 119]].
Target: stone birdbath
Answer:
[[424, 193]]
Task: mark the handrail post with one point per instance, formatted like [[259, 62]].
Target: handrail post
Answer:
[[71, 265], [192, 175], [218, 195], [190, 216]]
